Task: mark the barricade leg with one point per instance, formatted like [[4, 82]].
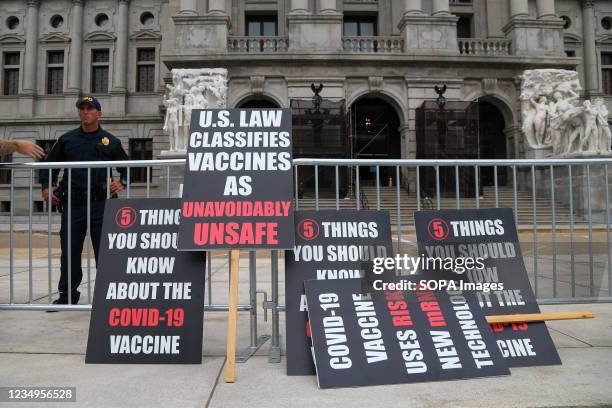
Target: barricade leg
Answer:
[[275, 351], [256, 342]]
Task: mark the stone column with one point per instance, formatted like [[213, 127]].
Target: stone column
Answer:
[[188, 7], [299, 6], [30, 66], [519, 9], [413, 7], [121, 48], [31, 47], [546, 8], [328, 6], [76, 47], [590, 51], [440, 8], [217, 7]]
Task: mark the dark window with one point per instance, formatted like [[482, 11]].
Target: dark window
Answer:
[[46, 145], [361, 26], [101, 20], [261, 25], [606, 72], [5, 174], [140, 149], [570, 53], [10, 84], [99, 71], [464, 27], [56, 57], [147, 18], [567, 22], [145, 75], [12, 23], [55, 72], [57, 21]]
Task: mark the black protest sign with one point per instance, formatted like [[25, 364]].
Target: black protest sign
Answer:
[[362, 336], [238, 181], [491, 235], [148, 303], [329, 245]]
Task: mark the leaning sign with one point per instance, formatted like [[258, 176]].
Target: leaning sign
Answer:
[[148, 302], [490, 234], [329, 245], [238, 181], [362, 336]]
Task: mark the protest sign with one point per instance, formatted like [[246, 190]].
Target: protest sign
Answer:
[[149, 298], [489, 234], [238, 181], [362, 336], [329, 245]]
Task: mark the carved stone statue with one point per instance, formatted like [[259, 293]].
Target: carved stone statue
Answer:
[[603, 129], [171, 124], [553, 119], [191, 89]]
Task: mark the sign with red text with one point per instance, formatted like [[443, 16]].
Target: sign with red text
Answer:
[[363, 336], [238, 181], [489, 234], [148, 303], [329, 245]]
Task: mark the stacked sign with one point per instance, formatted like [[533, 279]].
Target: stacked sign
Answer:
[[149, 298], [330, 245], [490, 234], [363, 336]]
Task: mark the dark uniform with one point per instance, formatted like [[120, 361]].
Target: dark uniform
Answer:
[[78, 145]]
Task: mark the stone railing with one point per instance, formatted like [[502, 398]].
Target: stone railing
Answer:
[[392, 44], [480, 46], [257, 44]]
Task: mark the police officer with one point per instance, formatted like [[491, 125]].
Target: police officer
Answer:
[[89, 142]]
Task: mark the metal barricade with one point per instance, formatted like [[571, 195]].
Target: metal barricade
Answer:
[[562, 209]]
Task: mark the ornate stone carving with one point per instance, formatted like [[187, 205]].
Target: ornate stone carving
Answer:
[[553, 117], [375, 83], [257, 84], [191, 89], [489, 85]]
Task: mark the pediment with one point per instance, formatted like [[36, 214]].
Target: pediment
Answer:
[[572, 39], [100, 36], [605, 39], [11, 39], [55, 38], [146, 35]]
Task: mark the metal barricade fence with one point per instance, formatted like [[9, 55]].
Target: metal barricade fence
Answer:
[[561, 208]]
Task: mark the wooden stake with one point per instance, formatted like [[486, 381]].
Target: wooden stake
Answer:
[[539, 317], [233, 316]]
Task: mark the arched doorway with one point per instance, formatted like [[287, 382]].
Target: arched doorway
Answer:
[[258, 103], [374, 134], [492, 141]]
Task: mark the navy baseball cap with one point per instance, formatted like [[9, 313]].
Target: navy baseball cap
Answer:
[[89, 100]]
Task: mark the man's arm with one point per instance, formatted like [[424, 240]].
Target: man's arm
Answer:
[[119, 154], [24, 147]]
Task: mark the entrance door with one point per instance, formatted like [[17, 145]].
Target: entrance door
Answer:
[[375, 135]]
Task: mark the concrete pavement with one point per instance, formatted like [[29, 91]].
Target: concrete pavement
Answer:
[[48, 349]]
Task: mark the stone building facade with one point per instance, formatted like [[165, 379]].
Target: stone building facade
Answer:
[[371, 54]]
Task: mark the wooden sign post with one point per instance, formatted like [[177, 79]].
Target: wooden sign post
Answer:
[[232, 317], [539, 317], [238, 191]]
